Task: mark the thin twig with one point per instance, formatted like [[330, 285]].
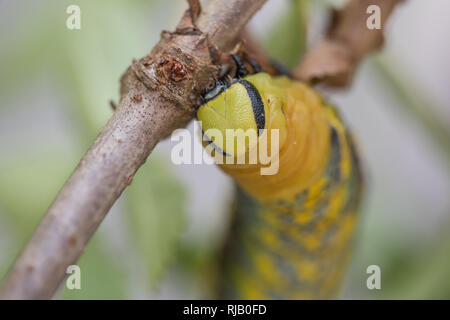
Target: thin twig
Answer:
[[158, 95], [334, 60]]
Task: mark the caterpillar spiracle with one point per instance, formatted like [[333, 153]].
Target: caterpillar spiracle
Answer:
[[293, 231]]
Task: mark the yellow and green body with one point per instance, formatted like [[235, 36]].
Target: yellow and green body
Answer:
[[292, 232]]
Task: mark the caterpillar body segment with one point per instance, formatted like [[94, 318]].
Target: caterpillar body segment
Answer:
[[292, 232]]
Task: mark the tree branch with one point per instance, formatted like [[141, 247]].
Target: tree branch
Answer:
[[158, 94], [334, 60]]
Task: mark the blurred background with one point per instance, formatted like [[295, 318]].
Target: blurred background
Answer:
[[159, 239]]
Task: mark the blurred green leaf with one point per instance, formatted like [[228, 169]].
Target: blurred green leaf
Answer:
[[286, 41], [24, 52], [425, 274], [391, 252], [155, 203], [100, 276], [29, 182]]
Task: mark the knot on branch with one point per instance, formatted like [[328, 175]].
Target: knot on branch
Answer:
[[174, 70], [181, 65]]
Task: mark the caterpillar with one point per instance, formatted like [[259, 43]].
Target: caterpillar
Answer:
[[293, 231]]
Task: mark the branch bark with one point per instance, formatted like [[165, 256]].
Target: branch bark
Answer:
[[158, 94], [334, 60]]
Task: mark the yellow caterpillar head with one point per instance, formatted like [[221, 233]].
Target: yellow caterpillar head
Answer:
[[246, 104]]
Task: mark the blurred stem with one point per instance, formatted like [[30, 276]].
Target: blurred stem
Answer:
[[414, 103]]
